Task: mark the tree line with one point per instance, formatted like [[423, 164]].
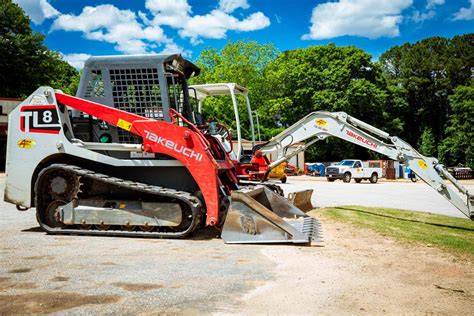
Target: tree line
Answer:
[[422, 92], [25, 62]]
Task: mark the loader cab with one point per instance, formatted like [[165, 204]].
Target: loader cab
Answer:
[[198, 94], [147, 85]]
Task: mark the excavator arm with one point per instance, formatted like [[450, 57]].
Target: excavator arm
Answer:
[[320, 125]]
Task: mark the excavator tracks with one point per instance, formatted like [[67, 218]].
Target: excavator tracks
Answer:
[[60, 185]]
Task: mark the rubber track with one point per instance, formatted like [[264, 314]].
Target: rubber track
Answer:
[[193, 202]]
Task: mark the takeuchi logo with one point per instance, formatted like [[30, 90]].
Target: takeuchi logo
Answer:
[[361, 139], [173, 146]]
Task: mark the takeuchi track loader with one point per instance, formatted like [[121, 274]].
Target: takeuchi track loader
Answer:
[[130, 155]]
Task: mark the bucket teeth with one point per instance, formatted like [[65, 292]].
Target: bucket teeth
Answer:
[[311, 227]]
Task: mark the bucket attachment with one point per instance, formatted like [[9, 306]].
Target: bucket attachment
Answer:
[[301, 199], [261, 216]]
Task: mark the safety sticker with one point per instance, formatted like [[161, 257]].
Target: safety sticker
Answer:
[[39, 119], [124, 124], [422, 164], [26, 143], [38, 100], [321, 122]]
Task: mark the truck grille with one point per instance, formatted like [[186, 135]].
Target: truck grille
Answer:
[[332, 170]]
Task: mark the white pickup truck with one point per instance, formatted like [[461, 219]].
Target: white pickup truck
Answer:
[[352, 169]]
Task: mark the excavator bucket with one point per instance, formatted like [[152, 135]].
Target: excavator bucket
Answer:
[[302, 200], [261, 216]]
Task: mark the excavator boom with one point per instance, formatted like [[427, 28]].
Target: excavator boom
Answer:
[[320, 125]]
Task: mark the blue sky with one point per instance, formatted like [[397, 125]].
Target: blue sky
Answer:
[[80, 28]]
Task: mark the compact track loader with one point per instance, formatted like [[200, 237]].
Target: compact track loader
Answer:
[[130, 155]]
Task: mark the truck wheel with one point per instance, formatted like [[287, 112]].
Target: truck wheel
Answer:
[[330, 179], [347, 177], [283, 180], [374, 178], [358, 180]]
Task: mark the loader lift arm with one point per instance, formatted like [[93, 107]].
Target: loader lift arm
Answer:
[[320, 125]]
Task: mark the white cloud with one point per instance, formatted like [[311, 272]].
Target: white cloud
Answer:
[[422, 16], [76, 60], [365, 18], [173, 48], [429, 13], [38, 10], [229, 6], [216, 24], [278, 18], [430, 4], [169, 12], [110, 24], [465, 13], [141, 32]]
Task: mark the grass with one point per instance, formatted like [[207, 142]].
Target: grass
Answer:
[[455, 235]]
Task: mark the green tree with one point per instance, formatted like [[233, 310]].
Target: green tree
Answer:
[[329, 78], [425, 74], [458, 146], [241, 62], [427, 145], [25, 63], [73, 85]]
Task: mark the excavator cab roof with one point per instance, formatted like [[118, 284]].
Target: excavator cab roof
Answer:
[[215, 89]]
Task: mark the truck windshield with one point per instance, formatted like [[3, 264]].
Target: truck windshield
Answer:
[[346, 163]]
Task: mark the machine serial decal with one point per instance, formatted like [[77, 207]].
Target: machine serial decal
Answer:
[[39, 119], [361, 139], [26, 143], [172, 145]]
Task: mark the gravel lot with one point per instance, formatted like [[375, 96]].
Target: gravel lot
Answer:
[[400, 194], [353, 272]]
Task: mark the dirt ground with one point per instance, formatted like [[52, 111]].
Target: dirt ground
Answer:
[[352, 271], [361, 272]]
